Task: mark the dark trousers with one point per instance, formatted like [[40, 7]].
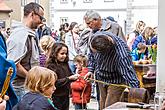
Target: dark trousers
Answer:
[[61, 102], [80, 106], [109, 95]]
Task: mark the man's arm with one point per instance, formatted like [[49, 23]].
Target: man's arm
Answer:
[[91, 65], [21, 71], [91, 62], [121, 34], [125, 68]]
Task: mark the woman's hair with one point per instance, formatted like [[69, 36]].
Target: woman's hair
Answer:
[[138, 25], [66, 25], [148, 32], [54, 52], [101, 42], [72, 25], [39, 78], [46, 43], [82, 59]]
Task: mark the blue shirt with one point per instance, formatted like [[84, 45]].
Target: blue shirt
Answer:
[[115, 65], [136, 56], [137, 40]]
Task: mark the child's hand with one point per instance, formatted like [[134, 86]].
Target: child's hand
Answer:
[[74, 77], [88, 75]]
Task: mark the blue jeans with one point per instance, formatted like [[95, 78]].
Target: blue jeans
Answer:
[[80, 106]]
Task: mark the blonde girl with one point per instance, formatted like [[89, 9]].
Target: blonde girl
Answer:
[[46, 43], [40, 82]]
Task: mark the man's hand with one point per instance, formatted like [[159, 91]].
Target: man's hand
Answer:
[[163, 106], [4, 98], [3, 102], [3, 105], [88, 75]]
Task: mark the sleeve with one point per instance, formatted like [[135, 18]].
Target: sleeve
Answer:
[[91, 62], [131, 40], [16, 49], [78, 84], [83, 42], [121, 34], [126, 69], [134, 55], [62, 82], [137, 40], [49, 32]]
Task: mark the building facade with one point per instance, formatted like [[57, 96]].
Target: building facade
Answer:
[[5, 13], [17, 7], [125, 12]]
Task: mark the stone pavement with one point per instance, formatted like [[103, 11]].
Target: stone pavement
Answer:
[[93, 105]]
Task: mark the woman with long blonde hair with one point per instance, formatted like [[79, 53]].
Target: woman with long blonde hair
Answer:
[[132, 36]]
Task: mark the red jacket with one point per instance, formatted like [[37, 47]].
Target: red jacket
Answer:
[[81, 89]]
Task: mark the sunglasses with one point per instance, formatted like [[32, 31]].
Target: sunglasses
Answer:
[[41, 17]]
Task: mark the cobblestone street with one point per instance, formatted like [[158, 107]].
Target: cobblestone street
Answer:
[[91, 106]]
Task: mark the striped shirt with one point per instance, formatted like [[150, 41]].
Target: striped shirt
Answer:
[[115, 65]]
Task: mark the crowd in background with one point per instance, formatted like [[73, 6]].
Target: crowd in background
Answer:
[[61, 59]]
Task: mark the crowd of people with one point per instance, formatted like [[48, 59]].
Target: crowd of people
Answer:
[[50, 67]]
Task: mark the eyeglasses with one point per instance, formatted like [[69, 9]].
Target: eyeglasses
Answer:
[[41, 17], [89, 21]]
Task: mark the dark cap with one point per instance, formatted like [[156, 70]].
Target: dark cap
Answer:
[[111, 18]]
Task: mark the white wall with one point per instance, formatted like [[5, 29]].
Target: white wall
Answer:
[[149, 16], [96, 4], [117, 9], [145, 2], [145, 10], [160, 82]]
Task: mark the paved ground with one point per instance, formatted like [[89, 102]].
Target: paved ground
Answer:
[[90, 106]]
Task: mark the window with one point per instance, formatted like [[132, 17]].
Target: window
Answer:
[[2, 24], [63, 20], [37, 1], [63, 1], [108, 0], [23, 2], [52, 15], [87, 1]]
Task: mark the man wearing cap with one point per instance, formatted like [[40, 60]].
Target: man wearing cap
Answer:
[[22, 45]]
